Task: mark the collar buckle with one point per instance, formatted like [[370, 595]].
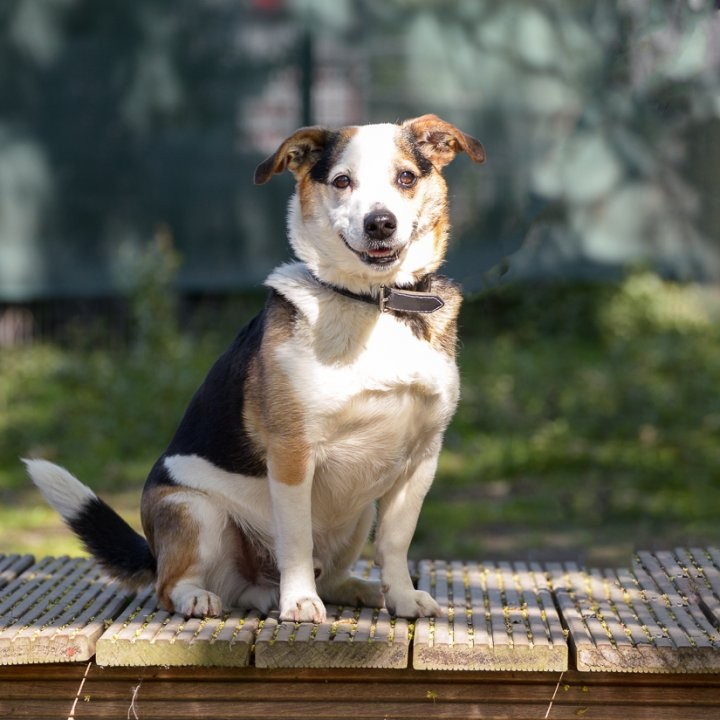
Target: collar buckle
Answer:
[[383, 296]]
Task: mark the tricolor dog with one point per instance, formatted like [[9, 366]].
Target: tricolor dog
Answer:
[[326, 414]]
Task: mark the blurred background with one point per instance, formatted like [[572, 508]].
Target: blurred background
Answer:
[[133, 244]]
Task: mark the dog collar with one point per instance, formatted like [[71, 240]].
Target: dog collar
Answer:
[[393, 299]]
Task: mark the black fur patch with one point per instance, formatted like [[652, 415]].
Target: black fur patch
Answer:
[[423, 163], [212, 426], [421, 324], [112, 541], [320, 172]]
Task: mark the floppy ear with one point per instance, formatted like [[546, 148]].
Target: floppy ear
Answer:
[[298, 153], [440, 141]]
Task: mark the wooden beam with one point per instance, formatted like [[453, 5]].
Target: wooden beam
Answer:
[[156, 693]]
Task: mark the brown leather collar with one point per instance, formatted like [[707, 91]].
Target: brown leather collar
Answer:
[[393, 298]]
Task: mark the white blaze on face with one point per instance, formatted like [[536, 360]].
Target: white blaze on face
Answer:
[[327, 221], [372, 161]]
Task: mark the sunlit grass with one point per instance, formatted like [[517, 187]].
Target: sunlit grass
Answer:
[[588, 424]]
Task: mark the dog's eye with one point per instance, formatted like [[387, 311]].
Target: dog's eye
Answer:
[[407, 179], [341, 182]]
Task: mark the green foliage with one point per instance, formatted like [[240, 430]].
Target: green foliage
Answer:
[[153, 301], [585, 409], [588, 424], [106, 413]]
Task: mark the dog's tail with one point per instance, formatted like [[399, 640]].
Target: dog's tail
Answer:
[[123, 553]]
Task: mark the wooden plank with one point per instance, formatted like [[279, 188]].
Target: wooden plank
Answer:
[[12, 565], [350, 638], [661, 616], [643, 620], [55, 610], [146, 635], [496, 617], [699, 578], [710, 599]]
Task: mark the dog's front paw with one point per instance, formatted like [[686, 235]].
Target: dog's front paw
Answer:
[[412, 604], [309, 608]]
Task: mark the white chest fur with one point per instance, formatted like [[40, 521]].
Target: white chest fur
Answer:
[[342, 349], [375, 396], [335, 359]]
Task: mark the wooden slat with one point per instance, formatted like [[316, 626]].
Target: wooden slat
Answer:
[[55, 610], [704, 565], [644, 620], [12, 565], [144, 634], [350, 638], [496, 617], [660, 616]]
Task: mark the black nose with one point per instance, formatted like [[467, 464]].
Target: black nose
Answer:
[[380, 225]]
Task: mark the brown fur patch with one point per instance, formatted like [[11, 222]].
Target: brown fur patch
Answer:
[[440, 141], [272, 414], [441, 231], [298, 153], [307, 183], [443, 330], [440, 327], [173, 535]]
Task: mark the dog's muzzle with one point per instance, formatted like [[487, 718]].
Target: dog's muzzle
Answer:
[[381, 246]]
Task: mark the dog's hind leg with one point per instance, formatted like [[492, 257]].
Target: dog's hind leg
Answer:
[[185, 529], [254, 578], [337, 585], [399, 510], [260, 597]]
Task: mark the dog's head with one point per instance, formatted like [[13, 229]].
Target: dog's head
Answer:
[[370, 206]]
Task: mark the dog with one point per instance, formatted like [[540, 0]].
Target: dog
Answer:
[[326, 415]]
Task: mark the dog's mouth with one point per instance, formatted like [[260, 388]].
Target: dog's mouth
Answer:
[[378, 254]]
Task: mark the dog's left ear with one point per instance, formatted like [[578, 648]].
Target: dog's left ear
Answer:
[[298, 154], [440, 141]]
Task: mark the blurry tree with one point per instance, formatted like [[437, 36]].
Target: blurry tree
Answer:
[[588, 110], [601, 120], [117, 117]]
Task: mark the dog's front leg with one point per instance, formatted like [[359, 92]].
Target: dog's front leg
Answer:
[[398, 514], [291, 490]]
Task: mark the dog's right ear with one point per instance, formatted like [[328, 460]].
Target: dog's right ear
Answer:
[[298, 154]]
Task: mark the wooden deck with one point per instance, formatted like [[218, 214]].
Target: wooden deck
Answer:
[[517, 640]]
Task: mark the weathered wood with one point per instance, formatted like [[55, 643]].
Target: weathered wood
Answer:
[[89, 691], [496, 617], [710, 593], [351, 637], [660, 616], [144, 634], [655, 618], [12, 565], [55, 610]]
